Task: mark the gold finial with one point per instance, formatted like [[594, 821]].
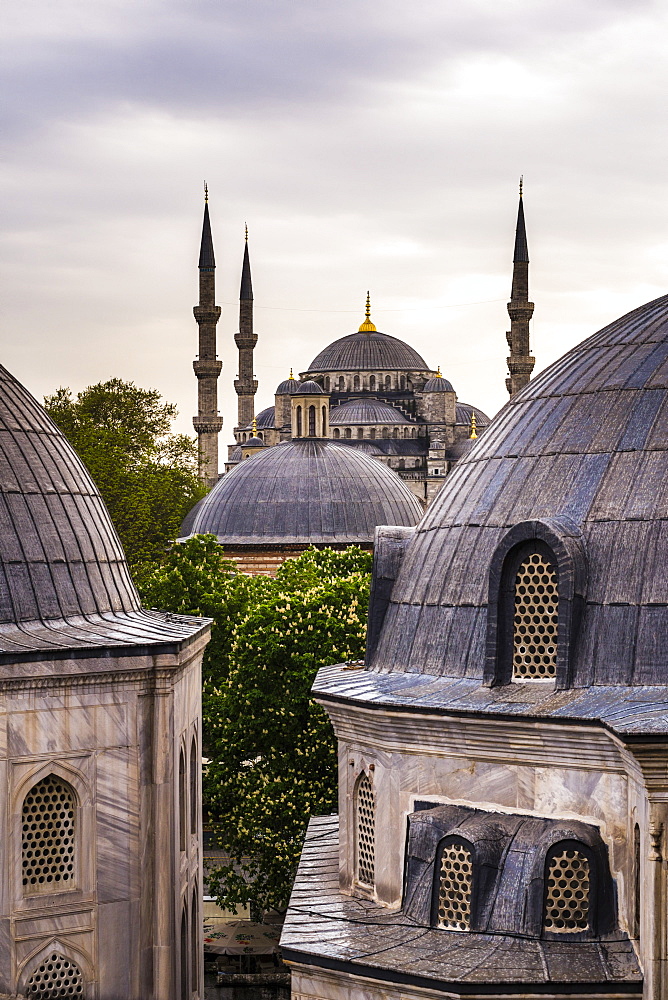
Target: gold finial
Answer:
[[438, 373], [246, 225], [254, 427], [521, 183], [291, 375], [473, 435], [206, 193], [367, 326]]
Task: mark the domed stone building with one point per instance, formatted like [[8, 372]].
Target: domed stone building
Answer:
[[307, 491], [100, 754], [503, 809]]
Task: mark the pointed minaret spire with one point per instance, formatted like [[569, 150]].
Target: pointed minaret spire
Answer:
[[207, 367], [520, 310], [245, 383]]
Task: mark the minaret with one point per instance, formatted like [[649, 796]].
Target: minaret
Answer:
[[207, 367], [520, 310], [245, 383]]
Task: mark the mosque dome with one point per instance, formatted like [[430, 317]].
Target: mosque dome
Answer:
[[368, 352], [437, 384], [306, 491], [365, 411], [254, 442], [287, 387], [265, 418], [64, 579], [463, 415], [309, 386], [577, 462]]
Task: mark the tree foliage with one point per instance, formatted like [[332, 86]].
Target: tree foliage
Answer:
[[147, 476], [271, 747]]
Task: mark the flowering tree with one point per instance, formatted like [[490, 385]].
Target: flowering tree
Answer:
[[271, 748]]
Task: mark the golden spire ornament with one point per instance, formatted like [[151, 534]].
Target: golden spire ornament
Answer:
[[473, 435], [291, 375], [254, 427], [367, 326]]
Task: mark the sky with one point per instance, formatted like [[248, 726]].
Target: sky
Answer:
[[368, 144]]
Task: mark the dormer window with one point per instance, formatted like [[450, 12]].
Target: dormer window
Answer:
[[366, 830], [567, 891], [455, 886], [535, 619]]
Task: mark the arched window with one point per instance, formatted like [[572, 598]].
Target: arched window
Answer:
[[536, 605], [324, 421], [260, 435], [299, 421], [414, 432], [365, 823], [360, 432], [372, 433], [636, 882], [196, 942], [455, 886], [402, 381], [337, 433], [194, 798], [567, 889], [386, 432], [243, 439], [401, 464], [49, 834], [395, 432], [406, 431], [185, 995], [356, 382], [182, 801], [388, 383], [327, 383], [372, 383], [57, 976], [342, 383], [311, 421], [348, 432]]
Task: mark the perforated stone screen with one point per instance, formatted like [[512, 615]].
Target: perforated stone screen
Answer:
[[535, 620], [454, 891], [57, 976], [48, 837], [567, 898], [366, 833]]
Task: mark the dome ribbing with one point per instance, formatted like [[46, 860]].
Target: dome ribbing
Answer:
[[366, 411], [368, 352]]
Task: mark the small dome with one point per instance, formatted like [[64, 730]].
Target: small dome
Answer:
[[287, 387], [365, 411], [463, 416], [306, 491], [437, 384], [254, 442], [265, 418], [310, 387], [368, 352]]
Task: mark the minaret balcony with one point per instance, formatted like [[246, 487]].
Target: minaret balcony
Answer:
[[207, 314], [520, 309], [245, 341], [245, 388], [207, 368], [208, 425]]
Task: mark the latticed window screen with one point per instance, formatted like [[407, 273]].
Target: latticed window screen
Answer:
[[48, 836], [57, 976], [535, 619], [454, 889], [366, 832], [567, 897]]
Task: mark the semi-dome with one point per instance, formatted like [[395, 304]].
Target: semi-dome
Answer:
[[368, 352], [365, 411], [306, 491], [64, 582], [579, 461]]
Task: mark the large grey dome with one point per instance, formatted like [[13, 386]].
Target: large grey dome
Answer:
[[64, 582], [365, 411], [368, 352], [581, 455], [307, 491]]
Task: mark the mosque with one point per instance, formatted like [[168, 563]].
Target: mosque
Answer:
[[366, 436], [503, 749]]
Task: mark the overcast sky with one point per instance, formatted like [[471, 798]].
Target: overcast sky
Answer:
[[368, 144]]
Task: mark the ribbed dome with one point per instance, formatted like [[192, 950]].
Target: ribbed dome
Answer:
[[365, 411], [305, 492], [64, 581], [463, 415], [368, 352], [254, 442], [309, 386], [287, 387], [437, 384], [582, 449], [265, 418]]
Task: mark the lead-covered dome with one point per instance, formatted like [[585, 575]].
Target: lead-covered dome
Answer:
[[579, 459], [306, 491], [365, 411], [368, 352], [64, 582]]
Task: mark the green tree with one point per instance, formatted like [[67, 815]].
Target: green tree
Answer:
[[271, 749], [147, 476]]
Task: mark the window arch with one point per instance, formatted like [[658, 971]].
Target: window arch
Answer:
[[311, 421], [327, 383], [403, 381], [414, 432], [49, 833], [388, 383], [395, 432], [406, 431], [348, 433], [372, 433], [455, 885], [568, 889], [57, 976], [299, 421], [356, 382], [372, 383], [342, 383], [194, 797], [365, 830], [386, 432], [360, 432], [183, 815], [337, 433], [535, 619]]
